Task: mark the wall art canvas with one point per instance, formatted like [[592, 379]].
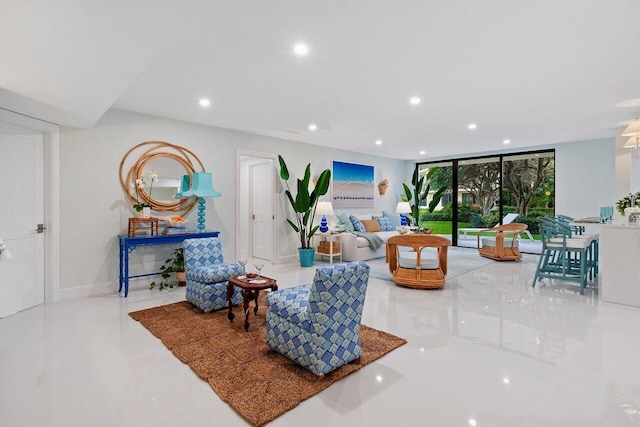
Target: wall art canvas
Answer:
[[353, 185]]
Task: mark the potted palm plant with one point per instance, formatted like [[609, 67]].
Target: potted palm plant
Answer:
[[304, 207]]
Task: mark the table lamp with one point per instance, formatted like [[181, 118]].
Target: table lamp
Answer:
[[202, 187], [184, 186], [324, 208], [403, 208]]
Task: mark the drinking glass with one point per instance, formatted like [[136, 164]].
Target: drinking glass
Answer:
[[243, 261], [258, 265]]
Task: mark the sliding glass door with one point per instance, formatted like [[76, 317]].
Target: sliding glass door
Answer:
[[486, 191]]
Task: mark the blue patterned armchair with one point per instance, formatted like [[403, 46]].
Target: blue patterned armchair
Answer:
[[207, 274], [318, 325]]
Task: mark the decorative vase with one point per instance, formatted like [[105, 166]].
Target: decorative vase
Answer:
[[382, 187], [145, 212], [306, 256], [633, 215]]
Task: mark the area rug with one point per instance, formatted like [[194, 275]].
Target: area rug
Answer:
[[258, 383]]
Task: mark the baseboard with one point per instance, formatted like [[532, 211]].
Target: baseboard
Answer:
[[100, 289]]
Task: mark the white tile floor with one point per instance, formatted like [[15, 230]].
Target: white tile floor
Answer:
[[488, 350]]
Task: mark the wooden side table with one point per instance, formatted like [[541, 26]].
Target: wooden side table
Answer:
[[134, 222], [251, 287], [333, 246]]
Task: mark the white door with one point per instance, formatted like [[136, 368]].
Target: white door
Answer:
[[21, 210], [262, 216]]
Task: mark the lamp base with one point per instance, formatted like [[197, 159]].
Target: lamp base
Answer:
[[323, 224], [201, 209]]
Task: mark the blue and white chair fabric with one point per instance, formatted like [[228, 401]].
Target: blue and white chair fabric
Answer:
[[318, 325], [565, 256], [208, 275]]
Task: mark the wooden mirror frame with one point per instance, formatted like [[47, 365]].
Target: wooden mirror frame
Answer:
[[158, 149]]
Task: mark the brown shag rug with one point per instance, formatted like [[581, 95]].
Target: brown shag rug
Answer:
[[257, 382]]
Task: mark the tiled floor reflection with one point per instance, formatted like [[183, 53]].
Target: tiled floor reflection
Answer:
[[487, 350]]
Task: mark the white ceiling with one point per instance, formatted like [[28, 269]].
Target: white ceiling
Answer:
[[537, 73]]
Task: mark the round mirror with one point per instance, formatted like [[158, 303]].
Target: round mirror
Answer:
[[156, 176]]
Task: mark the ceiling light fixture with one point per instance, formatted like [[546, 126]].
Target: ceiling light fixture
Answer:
[[379, 142], [506, 141], [633, 130], [422, 152], [204, 102], [313, 127], [415, 100], [301, 49], [472, 126]]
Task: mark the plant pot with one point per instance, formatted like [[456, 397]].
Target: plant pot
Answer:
[[144, 212], [306, 256], [181, 277]]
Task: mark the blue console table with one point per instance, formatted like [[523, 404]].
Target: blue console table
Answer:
[[128, 244]]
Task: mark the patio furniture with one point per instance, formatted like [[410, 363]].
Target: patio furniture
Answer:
[[425, 266], [504, 245]]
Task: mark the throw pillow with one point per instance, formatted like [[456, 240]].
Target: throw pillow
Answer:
[[385, 223], [357, 224], [344, 221], [371, 225], [393, 217]]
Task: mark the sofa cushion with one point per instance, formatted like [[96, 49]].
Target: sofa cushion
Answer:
[[371, 225], [393, 217], [344, 221], [491, 242], [428, 260], [385, 223], [357, 224]]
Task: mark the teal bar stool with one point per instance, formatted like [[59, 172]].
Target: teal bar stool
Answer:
[[563, 256]]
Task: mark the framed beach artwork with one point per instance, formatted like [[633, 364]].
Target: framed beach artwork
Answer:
[[353, 185]]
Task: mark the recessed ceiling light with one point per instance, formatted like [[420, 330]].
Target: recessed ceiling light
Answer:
[[422, 152], [415, 100], [204, 102], [313, 127], [379, 142], [472, 126], [506, 141], [300, 49]]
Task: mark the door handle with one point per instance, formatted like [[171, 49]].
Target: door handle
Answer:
[[40, 228]]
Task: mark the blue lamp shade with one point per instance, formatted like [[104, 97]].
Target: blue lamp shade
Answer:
[[202, 187], [184, 186]]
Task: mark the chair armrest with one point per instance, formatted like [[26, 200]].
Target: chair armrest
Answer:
[[291, 304], [214, 273]]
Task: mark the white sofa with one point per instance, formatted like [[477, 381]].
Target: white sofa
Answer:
[[356, 248]]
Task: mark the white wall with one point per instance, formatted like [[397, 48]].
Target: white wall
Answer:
[[94, 209], [585, 177]]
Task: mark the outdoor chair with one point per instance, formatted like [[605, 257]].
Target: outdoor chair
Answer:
[[504, 245], [207, 274], [424, 266], [508, 219], [318, 325]]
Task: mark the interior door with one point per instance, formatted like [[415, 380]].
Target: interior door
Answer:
[[262, 216], [21, 210]]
